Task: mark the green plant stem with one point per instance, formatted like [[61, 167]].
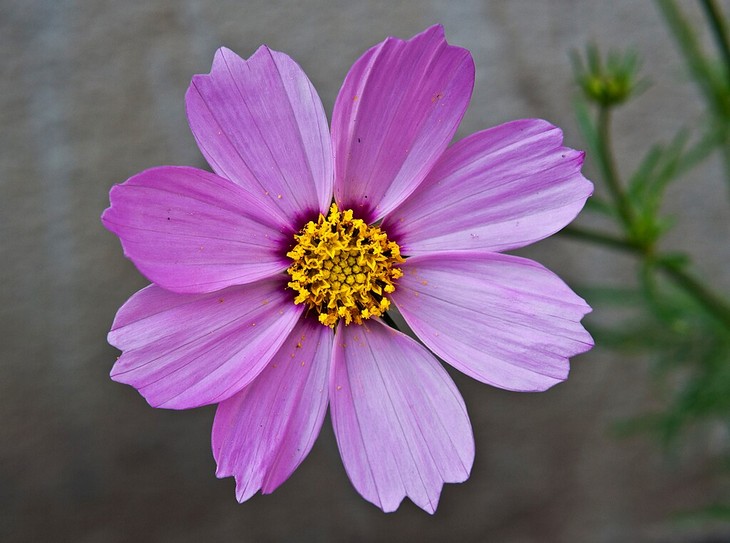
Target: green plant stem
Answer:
[[714, 90], [689, 47], [608, 167], [714, 305], [717, 24], [600, 238]]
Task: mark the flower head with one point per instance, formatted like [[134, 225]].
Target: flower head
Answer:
[[344, 269], [272, 276], [610, 82]]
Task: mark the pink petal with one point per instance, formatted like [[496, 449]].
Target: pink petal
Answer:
[[401, 425], [262, 434], [187, 350], [501, 319], [499, 189], [260, 123], [396, 112], [188, 230]]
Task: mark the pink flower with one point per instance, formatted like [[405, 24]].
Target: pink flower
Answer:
[[268, 299]]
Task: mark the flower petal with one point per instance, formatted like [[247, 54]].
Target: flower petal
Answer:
[[262, 434], [401, 425], [187, 350], [499, 189], [188, 230], [396, 112], [501, 319], [260, 123]]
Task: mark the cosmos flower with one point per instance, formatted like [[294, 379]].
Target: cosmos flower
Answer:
[[272, 277]]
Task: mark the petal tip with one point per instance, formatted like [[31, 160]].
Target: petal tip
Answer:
[[114, 374], [105, 217], [222, 54], [436, 31]]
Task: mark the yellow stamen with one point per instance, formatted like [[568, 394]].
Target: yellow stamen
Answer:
[[343, 268]]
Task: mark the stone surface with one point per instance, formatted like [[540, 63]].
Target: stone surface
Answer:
[[92, 92]]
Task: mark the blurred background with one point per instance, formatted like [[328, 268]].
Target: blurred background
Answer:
[[92, 92]]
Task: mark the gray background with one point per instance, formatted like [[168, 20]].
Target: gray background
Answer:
[[91, 92]]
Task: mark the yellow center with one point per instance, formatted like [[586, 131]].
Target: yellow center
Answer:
[[343, 268]]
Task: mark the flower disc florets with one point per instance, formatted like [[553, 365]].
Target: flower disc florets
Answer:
[[343, 268]]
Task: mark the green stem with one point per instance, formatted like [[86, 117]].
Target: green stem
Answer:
[[689, 47], [608, 167], [713, 304], [717, 23], [599, 238], [714, 91], [644, 249]]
